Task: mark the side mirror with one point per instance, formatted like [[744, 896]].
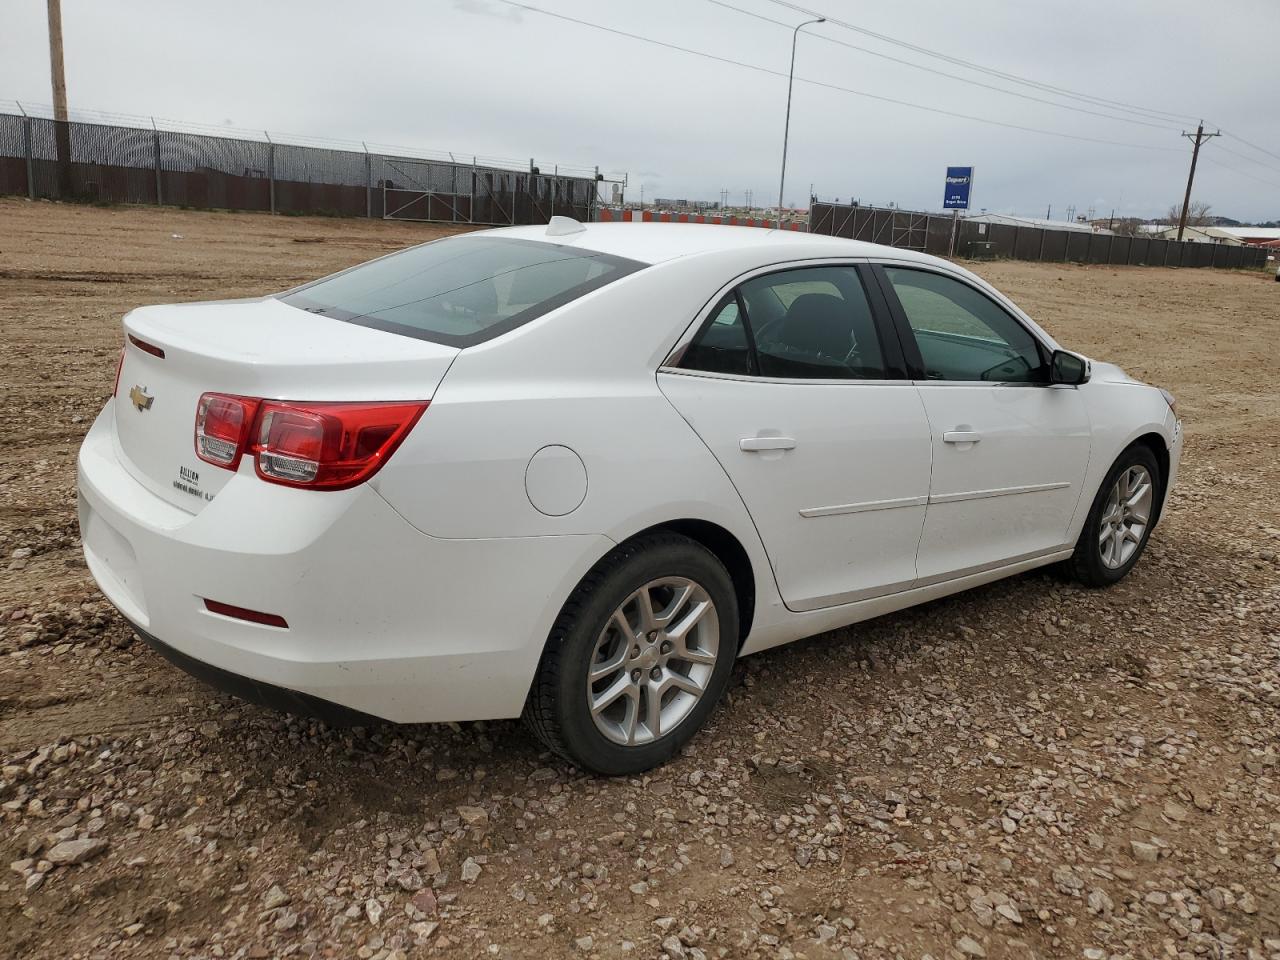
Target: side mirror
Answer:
[[1068, 368]]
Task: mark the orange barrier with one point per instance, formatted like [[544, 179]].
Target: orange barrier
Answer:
[[609, 215]]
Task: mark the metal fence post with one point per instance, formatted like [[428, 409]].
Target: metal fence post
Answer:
[[26, 146], [271, 169], [368, 181], [155, 143]]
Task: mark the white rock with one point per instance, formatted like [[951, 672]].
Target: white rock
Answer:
[[75, 851], [275, 897], [1146, 852]]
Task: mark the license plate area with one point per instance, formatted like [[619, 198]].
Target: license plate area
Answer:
[[114, 565]]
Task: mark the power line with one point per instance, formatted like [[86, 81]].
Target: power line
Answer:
[[976, 119], [1245, 156], [1061, 91], [1149, 112], [830, 86], [943, 73], [1242, 173], [1253, 145]]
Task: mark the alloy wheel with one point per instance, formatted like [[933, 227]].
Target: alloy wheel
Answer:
[[653, 660], [1126, 516]]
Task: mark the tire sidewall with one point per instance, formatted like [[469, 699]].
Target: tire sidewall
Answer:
[[1088, 556], [681, 558]]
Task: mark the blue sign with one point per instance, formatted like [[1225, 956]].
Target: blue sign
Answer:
[[956, 194]]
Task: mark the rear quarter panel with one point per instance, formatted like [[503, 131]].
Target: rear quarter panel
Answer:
[[582, 377]]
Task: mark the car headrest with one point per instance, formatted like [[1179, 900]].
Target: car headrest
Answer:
[[818, 323]]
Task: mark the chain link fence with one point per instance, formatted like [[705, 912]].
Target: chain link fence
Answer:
[[931, 233], [108, 163]]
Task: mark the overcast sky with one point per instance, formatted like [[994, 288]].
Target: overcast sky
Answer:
[[479, 76]]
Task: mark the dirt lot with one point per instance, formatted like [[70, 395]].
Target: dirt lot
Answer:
[[1029, 769]]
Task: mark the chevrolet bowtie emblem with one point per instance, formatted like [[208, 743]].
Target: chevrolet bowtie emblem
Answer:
[[139, 397]]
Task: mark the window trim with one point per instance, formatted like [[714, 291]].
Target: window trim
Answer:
[[894, 362], [907, 337]]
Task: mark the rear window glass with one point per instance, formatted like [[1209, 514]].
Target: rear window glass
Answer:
[[461, 290]]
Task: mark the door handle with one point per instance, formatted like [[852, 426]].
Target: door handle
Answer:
[[757, 444], [961, 436]]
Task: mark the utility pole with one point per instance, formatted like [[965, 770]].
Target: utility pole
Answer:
[[55, 61], [1197, 138], [61, 130]]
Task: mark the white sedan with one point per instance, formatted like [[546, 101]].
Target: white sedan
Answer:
[[572, 472]]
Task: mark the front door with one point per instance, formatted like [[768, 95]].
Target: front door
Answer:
[[1009, 449], [805, 404]]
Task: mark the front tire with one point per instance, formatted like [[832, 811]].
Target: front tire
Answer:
[[1119, 523], [638, 657]]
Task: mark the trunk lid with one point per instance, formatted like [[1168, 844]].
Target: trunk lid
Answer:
[[257, 348]]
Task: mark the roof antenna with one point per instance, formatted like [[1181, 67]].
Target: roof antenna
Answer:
[[563, 227]]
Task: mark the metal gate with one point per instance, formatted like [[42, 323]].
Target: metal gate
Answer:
[[429, 191], [456, 193], [896, 228], [909, 230]]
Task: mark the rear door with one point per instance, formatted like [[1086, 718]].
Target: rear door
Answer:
[[1009, 449], [797, 386]]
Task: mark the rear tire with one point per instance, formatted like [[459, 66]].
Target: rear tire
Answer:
[[638, 657], [1120, 520]]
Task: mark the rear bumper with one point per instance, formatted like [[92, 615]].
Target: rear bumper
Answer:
[[383, 619], [254, 691]]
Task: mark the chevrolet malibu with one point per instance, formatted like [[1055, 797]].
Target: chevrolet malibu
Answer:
[[572, 472]]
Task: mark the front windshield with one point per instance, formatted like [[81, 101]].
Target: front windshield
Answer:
[[461, 290]]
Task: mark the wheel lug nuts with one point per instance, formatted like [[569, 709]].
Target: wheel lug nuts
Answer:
[[653, 635], [635, 652], [656, 673], [635, 676], [666, 647]]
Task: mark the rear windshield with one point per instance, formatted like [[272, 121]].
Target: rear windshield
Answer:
[[461, 290]]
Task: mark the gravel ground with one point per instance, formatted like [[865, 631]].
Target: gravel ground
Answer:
[[1026, 770]]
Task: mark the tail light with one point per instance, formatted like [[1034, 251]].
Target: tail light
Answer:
[[222, 427], [319, 446]]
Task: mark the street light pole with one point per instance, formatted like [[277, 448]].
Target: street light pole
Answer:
[[786, 130]]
